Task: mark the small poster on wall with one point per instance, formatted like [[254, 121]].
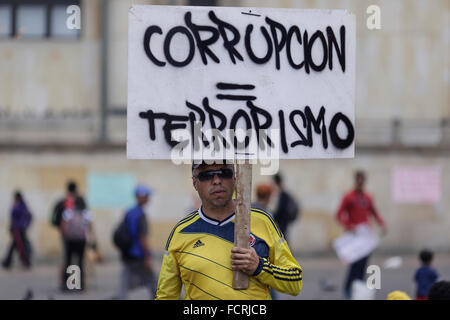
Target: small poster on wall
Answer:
[[416, 185]]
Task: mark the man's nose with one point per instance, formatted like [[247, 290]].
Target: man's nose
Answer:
[[216, 179]]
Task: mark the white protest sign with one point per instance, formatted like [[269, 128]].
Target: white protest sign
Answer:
[[267, 83], [357, 244]]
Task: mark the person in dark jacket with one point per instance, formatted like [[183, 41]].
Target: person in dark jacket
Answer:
[[20, 221], [287, 208], [68, 202], [71, 198]]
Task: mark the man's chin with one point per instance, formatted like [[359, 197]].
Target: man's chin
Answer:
[[220, 203]]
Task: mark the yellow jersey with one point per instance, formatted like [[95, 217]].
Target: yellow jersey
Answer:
[[198, 256]]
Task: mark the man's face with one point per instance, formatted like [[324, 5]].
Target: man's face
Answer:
[[142, 200], [359, 181], [216, 192]]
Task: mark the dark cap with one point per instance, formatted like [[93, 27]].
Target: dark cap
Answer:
[[196, 163]]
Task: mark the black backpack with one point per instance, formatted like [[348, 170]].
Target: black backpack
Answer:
[[57, 212], [121, 237]]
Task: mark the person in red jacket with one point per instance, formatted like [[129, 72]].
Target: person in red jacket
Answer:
[[356, 208]]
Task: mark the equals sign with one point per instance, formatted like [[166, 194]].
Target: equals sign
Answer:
[[234, 86]]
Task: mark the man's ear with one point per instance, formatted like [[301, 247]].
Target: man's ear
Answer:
[[194, 183]]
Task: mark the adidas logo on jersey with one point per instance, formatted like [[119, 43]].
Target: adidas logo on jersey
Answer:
[[198, 244]]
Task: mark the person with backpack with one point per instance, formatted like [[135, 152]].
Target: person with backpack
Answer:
[[131, 238], [76, 224], [65, 203], [287, 209], [20, 221]]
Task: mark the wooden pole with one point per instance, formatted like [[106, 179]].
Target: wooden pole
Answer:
[[242, 220]]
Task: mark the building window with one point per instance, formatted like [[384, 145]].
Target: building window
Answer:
[[36, 19], [58, 28], [30, 21], [5, 21]]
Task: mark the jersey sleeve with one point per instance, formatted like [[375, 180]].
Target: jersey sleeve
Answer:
[[169, 283], [280, 270]]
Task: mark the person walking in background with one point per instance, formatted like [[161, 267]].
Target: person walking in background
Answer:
[[66, 203], [137, 269], [287, 209], [355, 210], [425, 276], [76, 224], [20, 221]]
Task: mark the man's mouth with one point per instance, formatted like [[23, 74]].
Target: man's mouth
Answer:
[[218, 192]]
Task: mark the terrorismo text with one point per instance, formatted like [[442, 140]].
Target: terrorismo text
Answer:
[[304, 121]]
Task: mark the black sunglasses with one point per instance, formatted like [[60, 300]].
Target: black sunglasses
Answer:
[[209, 174]]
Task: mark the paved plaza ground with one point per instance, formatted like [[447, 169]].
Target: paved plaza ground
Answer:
[[323, 277]]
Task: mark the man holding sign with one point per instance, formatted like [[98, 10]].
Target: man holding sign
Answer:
[[201, 256], [256, 84]]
